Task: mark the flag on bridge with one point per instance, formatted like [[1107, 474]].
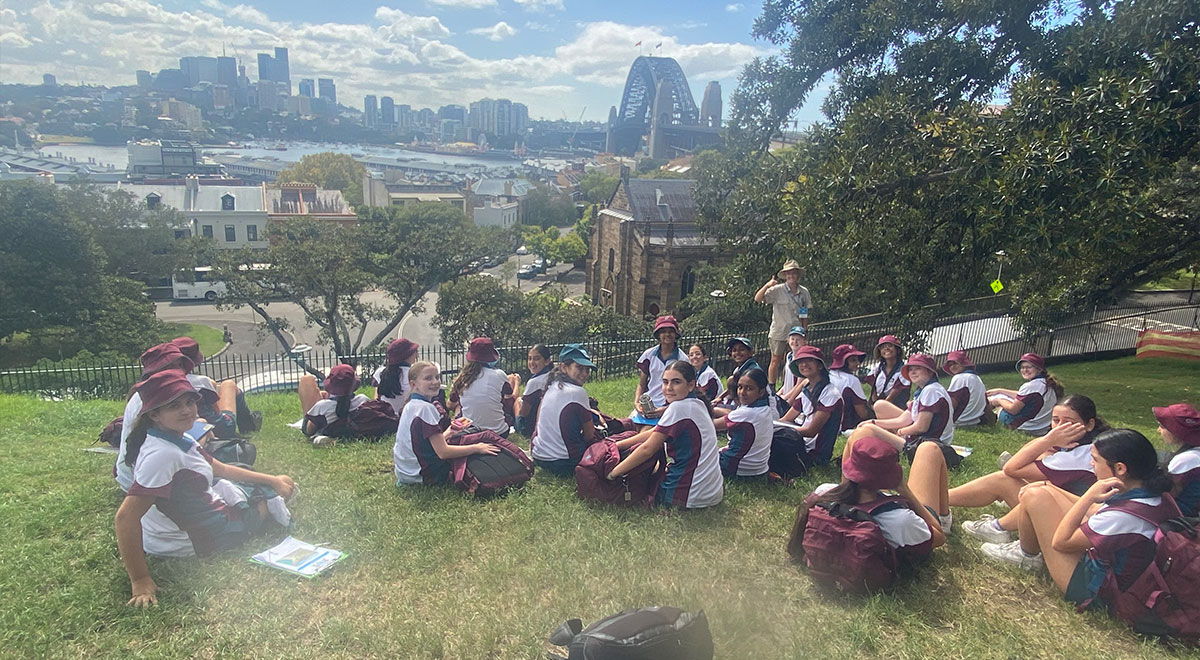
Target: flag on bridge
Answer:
[[637, 44], [1178, 345]]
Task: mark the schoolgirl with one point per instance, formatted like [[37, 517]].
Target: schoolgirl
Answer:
[[707, 379], [741, 351], [927, 417], [653, 362], [750, 427], [180, 503], [565, 427], [819, 404], [1179, 426], [229, 413], [483, 393], [1062, 456], [1084, 540], [886, 378], [327, 413], [693, 479], [968, 396], [871, 466], [797, 339], [843, 375], [391, 379], [421, 455], [526, 408], [1029, 408], [156, 358]]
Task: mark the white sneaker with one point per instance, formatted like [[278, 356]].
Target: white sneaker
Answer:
[[1004, 457], [947, 522], [279, 511], [1011, 553], [984, 529], [323, 440]]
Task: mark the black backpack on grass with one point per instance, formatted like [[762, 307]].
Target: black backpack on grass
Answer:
[[649, 633]]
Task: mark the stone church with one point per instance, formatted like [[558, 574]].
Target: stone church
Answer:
[[645, 247]]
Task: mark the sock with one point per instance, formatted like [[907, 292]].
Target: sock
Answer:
[[996, 526]]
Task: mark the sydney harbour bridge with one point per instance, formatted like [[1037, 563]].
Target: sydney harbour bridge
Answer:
[[658, 107]]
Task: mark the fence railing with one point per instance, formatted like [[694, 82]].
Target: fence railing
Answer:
[[989, 335]]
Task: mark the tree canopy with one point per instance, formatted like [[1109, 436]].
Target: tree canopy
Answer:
[[1083, 172], [329, 170]]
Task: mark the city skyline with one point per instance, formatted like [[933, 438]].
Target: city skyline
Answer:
[[556, 57]]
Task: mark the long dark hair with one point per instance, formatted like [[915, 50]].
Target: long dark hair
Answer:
[[542, 350], [558, 376], [343, 405], [1053, 383], [389, 380], [685, 369], [1137, 453], [846, 492], [137, 435], [1086, 409], [469, 373], [760, 379]]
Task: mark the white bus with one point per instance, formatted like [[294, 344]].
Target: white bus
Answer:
[[203, 288]]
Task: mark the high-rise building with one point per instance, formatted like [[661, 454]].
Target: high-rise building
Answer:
[[144, 79], [307, 87], [222, 97], [520, 118], [328, 93], [455, 112], [281, 70], [170, 80], [264, 67], [404, 118], [268, 95], [370, 111], [710, 105], [227, 73], [387, 111], [49, 80], [503, 117], [427, 118]]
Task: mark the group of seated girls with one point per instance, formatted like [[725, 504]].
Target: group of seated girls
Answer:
[[179, 500]]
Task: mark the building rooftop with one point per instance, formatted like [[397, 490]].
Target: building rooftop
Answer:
[[659, 200], [497, 187]]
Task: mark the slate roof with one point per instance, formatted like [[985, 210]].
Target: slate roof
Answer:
[[661, 200]]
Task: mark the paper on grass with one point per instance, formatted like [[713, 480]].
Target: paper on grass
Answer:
[[962, 451], [298, 558], [299, 424]]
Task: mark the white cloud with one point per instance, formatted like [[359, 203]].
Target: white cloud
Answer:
[[535, 26], [497, 32], [541, 5], [400, 24], [465, 4], [734, 8]]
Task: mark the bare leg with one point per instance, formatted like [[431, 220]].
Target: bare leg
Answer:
[[1043, 508], [874, 431], [227, 396], [886, 410], [1008, 522], [985, 490], [310, 394], [927, 477]]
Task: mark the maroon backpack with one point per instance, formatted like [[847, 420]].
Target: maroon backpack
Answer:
[[1165, 599], [488, 474], [636, 488], [111, 433], [373, 420], [845, 549]]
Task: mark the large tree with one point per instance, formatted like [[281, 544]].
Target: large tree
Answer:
[[329, 170], [327, 269], [1084, 174]]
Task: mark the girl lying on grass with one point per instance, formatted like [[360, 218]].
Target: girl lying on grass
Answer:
[[183, 502], [1179, 426], [1062, 457], [1082, 539], [750, 427], [693, 479], [421, 455]]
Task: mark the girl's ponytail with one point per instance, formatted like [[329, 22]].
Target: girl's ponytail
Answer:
[[1054, 384], [135, 439]]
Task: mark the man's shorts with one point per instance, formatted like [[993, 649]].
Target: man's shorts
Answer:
[[778, 346]]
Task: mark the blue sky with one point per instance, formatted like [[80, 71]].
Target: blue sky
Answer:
[[556, 56]]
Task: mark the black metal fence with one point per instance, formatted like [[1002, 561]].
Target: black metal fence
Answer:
[[984, 329]]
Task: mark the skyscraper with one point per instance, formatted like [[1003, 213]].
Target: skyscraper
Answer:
[[281, 70], [227, 71], [370, 111], [307, 87], [264, 67], [328, 92], [387, 111]]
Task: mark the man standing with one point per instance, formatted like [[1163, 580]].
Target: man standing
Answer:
[[790, 304]]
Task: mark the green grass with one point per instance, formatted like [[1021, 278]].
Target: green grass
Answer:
[[23, 349], [210, 339], [1181, 279], [433, 574]]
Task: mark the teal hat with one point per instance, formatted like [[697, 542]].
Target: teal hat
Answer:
[[738, 340], [798, 330], [576, 353]]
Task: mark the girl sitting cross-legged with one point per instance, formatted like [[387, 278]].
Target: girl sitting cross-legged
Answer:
[[928, 416]]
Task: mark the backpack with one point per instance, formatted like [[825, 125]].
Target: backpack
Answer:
[[789, 453], [373, 420], [844, 547], [649, 633], [111, 433], [1165, 599], [232, 451], [637, 488], [483, 475]]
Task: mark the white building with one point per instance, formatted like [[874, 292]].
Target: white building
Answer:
[[497, 214]]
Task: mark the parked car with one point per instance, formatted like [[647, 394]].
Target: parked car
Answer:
[[522, 250], [540, 265], [527, 272], [494, 261]]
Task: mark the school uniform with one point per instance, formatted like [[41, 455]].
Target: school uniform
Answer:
[[1037, 401], [558, 442], [730, 394], [750, 428], [821, 397], [933, 398], [413, 455], [886, 382], [852, 393], [1184, 468], [693, 478], [531, 400], [789, 378], [323, 414], [224, 421], [902, 529], [968, 397], [1070, 469], [193, 515], [397, 400], [653, 364], [483, 401], [709, 382], [121, 472], [1121, 542]]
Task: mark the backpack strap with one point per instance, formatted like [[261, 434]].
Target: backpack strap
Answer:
[[815, 397]]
